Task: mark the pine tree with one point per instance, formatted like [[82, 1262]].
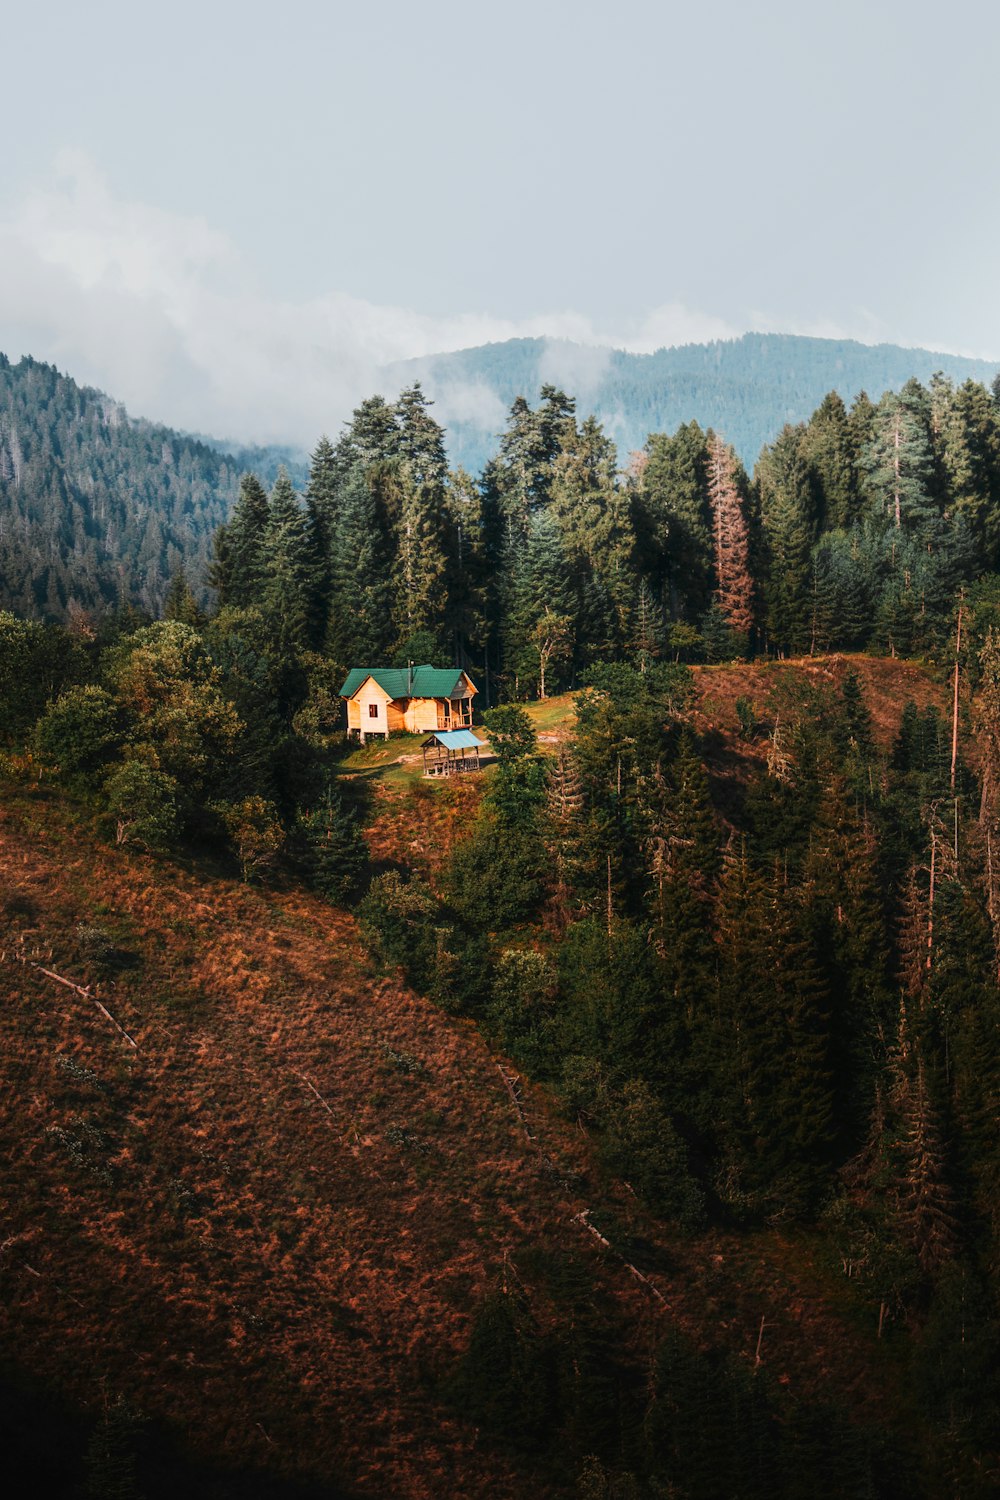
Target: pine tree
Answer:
[[563, 830], [681, 858], [926, 1205], [180, 603], [468, 589], [828, 450], [372, 437], [321, 493], [421, 563], [522, 472], [592, 514], [359, 623], [788, 515], [776, 1116], [853, 730], [291, 586], [321, 508], [246, 545], [334, 851], [647, 629], [970, 459], [845, 916], [898, 464], [219, 568], [840, 602], [673, 520], [861, 431], [823, 613], [731, 537], [421, 439], [539, 584]]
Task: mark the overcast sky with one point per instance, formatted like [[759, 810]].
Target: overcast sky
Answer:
[[228, 215]]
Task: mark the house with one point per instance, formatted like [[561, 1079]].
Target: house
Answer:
[[415, 699]]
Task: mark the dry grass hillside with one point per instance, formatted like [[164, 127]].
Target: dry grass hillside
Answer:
[[259, 1189], [888, 684]]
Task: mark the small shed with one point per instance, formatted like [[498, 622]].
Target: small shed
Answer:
[[451, 751]]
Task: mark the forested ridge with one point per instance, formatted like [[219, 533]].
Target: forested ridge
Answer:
[[746, 387], [96, 507], [737, 917]]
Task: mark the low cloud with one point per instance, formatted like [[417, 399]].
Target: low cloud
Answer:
[[164, 313]]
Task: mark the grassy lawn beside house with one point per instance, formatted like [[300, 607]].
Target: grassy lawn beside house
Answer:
[[553, 716]]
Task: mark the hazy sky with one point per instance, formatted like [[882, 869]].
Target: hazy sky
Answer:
[[229, 214]]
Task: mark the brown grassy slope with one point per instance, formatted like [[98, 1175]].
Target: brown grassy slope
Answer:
[[263, 1230], [888, 684], [772, 688], [416, 827]]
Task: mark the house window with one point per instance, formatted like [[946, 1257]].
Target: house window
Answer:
[[373, 710]]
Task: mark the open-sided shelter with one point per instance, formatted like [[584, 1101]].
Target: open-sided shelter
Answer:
[[448, 751]]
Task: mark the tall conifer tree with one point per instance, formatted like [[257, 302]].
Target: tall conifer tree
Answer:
[[731, 538], [788, 513]]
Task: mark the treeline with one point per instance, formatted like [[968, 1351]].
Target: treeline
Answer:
[[99, 509], [856, 530], [185, 734]]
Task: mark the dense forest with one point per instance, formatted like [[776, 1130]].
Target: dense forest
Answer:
[[98, 508], [857, 529], [771, 1002]]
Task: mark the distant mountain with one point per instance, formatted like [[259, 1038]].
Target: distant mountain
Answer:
[[745, 388], [96, 505]]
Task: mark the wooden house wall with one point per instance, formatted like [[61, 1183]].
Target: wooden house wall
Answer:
[[369, 693], [423, 714]]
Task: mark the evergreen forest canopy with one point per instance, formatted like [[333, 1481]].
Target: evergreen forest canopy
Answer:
[[858, 529], [778, 1007], [97, 508]]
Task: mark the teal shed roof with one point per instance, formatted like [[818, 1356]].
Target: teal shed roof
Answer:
[[456, 739], [428, 681]]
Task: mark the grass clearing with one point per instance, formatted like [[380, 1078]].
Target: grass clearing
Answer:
[[394, 762], [553, 716]]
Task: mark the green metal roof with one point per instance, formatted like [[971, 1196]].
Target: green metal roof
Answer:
[[455, 739], [428, 681]]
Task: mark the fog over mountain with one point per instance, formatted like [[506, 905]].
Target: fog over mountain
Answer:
[[746, 388]]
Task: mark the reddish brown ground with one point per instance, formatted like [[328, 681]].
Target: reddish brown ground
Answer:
[[416, 826], [257, 1226], [887, 684]]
